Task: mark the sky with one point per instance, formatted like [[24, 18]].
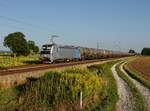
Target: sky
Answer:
[[113, 24]]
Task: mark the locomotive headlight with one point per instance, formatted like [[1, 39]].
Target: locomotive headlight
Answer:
[[44, 55]]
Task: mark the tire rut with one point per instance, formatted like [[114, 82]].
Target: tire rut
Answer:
[[125, 102], [143, 90]]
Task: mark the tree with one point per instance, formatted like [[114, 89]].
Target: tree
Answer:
[[145, 51], [17, 43], [31, 44], [131, 51], [33, 47], [36, 49]]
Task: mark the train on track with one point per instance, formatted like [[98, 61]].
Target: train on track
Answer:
[[51, 53]]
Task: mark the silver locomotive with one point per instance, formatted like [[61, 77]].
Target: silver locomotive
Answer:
[[53, 52]]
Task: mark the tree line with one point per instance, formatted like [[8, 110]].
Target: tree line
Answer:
[[145, 51], [18, 44]]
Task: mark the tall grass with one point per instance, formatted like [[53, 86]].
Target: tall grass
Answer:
[[108, 96], [57, 89], [60, 91]]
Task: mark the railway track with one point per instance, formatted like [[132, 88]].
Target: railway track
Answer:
[[30, 68]]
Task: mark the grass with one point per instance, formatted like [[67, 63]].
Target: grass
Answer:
[[8, 61], [7, 94], [109, 96], [137, 97], [56, 90], [60, 91], [135, 75]]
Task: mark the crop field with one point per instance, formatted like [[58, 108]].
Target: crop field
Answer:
[[142, 66], [8, 61]]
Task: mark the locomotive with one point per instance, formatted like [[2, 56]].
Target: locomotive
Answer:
[[53, 53]]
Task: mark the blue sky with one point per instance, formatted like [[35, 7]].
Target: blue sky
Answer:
[[115, 24]]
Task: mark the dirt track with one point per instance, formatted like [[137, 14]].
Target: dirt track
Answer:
[[143, 90], [124, 103]]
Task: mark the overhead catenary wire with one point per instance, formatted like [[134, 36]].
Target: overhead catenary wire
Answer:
[[37, 27], [23, 22]]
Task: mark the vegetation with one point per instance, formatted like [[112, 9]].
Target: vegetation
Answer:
[[8, 61], [109, 96], [137, 97], [55, 90], [145, 51], [61, 91], [141, 65], [132, 51], [137, 76], [33, 48], [17, 43]]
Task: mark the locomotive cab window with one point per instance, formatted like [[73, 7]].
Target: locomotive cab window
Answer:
[[46, 47], [45, 52]]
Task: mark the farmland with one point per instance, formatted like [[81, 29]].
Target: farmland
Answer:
[[141, 65]]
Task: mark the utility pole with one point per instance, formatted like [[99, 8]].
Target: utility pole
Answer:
[[118, 46], [97, 45], [52, 38]]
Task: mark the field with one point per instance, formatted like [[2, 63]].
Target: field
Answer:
[[8, 61], [142, 66], [61, 91]]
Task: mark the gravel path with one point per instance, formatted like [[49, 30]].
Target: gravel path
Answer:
[[143, 90], [124, 103]]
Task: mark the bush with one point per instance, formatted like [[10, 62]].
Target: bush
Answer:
[[145, 51]]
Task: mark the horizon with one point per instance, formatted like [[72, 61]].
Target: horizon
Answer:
[[115, 25]]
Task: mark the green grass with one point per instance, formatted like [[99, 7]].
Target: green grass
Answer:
[[137, 76], [60, 91], [137, 97], [108, 96], [7, 95], [8, 61], [54, 90]]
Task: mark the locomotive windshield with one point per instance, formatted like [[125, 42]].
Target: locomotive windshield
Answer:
[[46, 47], [45, 52]]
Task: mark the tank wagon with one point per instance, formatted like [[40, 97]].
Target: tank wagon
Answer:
[[91, 53], [53, 52]]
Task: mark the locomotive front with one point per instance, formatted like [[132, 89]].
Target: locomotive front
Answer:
[[46, 53]]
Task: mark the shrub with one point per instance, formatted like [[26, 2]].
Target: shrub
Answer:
[[145, 51]]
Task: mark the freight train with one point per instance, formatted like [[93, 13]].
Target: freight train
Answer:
[[54, 53]]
